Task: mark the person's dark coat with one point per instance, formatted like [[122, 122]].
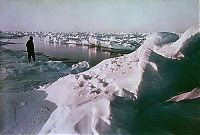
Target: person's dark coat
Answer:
[[30, 46]]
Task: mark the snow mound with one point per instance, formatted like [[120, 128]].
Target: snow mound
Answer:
[[85, 101], [172, 49], [162, 38]]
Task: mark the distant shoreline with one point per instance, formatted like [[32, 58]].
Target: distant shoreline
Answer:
[[5, 43]]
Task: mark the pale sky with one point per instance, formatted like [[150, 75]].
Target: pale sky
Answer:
[[99, 15]]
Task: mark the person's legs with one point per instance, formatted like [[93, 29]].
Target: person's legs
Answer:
[[29, 57], [33, 55]]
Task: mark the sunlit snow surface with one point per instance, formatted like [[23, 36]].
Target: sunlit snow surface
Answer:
[[90, 103]]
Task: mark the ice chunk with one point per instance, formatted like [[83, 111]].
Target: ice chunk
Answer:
[[80, 67]]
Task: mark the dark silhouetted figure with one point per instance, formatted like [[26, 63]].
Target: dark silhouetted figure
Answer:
[[30, 49]]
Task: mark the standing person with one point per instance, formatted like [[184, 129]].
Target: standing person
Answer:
[[30, 49]]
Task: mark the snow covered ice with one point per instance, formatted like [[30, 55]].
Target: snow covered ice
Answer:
[[19, 81], [120, 41], [19, 75], [141, 76], [123, 95]]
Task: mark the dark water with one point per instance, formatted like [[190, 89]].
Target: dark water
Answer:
[[73, 52]]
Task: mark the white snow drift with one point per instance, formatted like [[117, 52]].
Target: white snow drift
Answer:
[[83, 100]]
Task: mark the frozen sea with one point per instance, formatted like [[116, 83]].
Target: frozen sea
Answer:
[[18, 75], [72, 52]]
